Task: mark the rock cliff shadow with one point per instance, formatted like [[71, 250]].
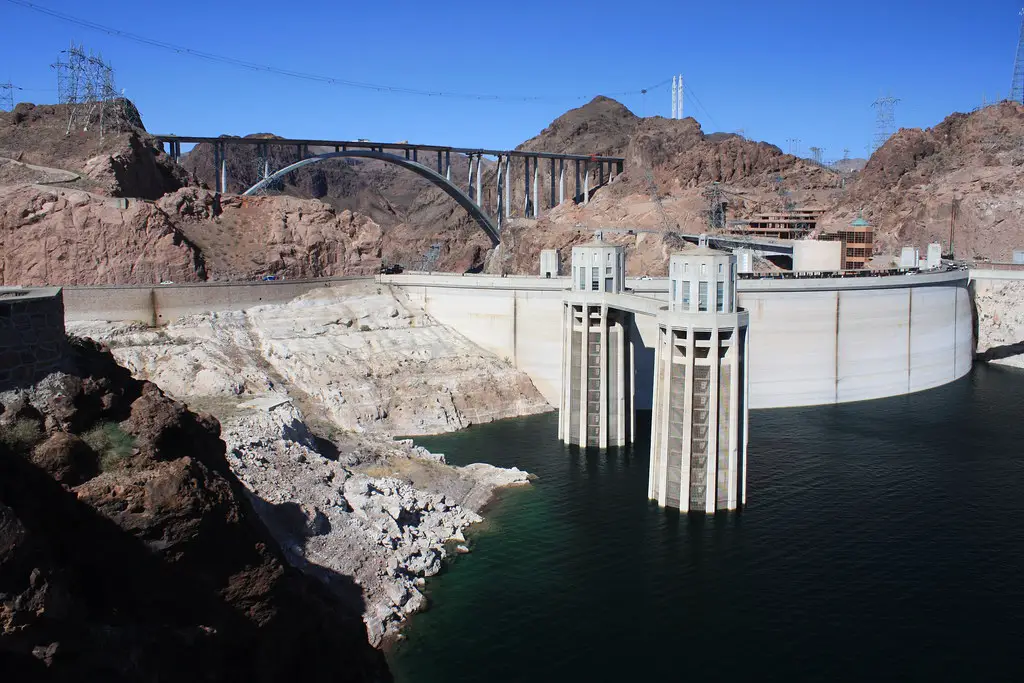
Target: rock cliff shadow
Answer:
[[291, 524], [1002, 351], [120, 610]]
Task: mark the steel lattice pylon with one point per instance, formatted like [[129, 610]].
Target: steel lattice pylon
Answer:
[[1017, 89], [886, 121]]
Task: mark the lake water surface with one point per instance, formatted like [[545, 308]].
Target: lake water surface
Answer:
[[883, 540]]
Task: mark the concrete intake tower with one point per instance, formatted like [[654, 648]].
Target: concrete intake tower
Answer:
[[700, 406], [597, 354]]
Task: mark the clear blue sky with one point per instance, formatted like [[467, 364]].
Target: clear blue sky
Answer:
[[803, 69]]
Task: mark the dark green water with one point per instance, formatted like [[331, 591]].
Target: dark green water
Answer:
[[883, 541]]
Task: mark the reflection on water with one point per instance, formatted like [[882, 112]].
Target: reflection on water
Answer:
[[883, 540]]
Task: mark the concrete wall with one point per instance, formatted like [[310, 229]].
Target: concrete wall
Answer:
[[812, 341], [504, 316], [32, 340], [158, 304]]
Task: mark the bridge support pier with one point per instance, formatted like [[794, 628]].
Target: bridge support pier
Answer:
[[552, 205], [220, 163], [586, 183], [526, 187], [597, 354], [561, 181], [536, 186], [479, 180], [500, 193], [469, 180], [448, 166], [576, 194], [508, 186]]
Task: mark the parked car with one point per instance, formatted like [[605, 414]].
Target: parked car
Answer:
[[392, 269], [269, 278]]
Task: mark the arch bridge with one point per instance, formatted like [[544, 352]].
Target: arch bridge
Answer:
[[434, 163]]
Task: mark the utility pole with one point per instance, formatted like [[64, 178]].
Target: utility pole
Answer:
[[1017, 88]]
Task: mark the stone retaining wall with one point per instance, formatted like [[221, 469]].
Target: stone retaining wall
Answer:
[[32, 339]]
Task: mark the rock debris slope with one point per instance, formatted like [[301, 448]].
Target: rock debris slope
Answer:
[[383, 512], [130, 552], [358, 363]]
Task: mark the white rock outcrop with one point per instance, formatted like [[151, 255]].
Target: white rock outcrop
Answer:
[[1000, 321], [360, 363], [363, 355], [333, 518]]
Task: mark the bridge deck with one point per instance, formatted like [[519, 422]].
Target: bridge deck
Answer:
[[366, 144]]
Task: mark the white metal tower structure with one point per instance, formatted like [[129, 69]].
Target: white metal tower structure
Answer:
[[677, 96], [674, 106]]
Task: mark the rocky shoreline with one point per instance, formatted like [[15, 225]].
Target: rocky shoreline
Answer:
[[331, 515], [308, 395]]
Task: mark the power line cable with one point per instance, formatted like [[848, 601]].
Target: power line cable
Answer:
[[693, 96], [329, 80]]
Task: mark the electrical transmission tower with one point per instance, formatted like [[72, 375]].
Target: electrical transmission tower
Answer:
[[715, 213], [6, 97], [794, 146], [885, 123], [817, 153], [85, 84], [1017, 89]]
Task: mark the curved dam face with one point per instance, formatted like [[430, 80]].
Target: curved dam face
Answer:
[[813, 341], [829, 340]]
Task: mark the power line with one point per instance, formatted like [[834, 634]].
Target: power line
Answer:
[[318, 78], [693, 96]]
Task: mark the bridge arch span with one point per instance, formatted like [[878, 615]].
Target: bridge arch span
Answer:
[[433, 176]]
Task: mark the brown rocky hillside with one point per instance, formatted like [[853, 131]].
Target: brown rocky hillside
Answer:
[[345, 217], [129, 551], [970, 166], [124, 163]]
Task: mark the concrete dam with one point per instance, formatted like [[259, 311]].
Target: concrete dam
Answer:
[[814, 340]]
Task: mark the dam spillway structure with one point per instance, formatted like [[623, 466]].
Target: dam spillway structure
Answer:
[[700, 402], [597, 354]]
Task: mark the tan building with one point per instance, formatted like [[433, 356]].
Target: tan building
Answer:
[[858, 243], [788, 225]]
